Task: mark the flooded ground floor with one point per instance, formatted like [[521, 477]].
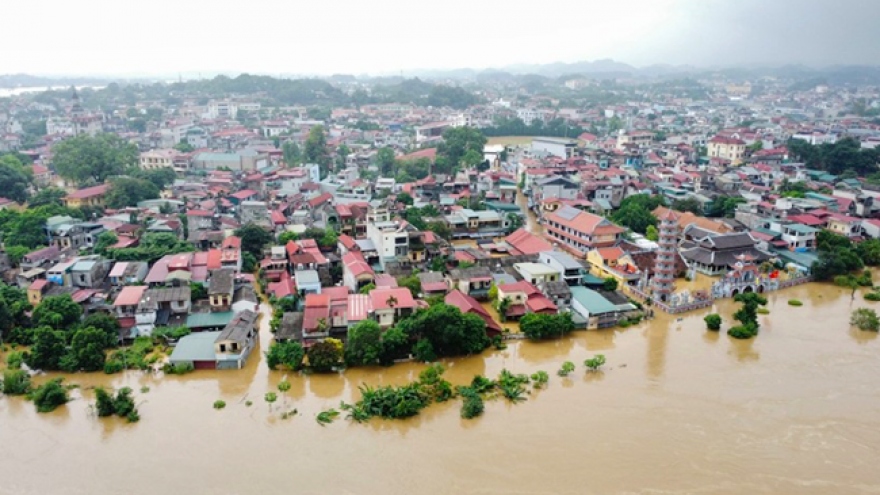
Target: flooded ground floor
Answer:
[[676, 410]]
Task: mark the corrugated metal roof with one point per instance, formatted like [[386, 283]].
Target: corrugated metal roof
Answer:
[[205, 320], [195, 347]]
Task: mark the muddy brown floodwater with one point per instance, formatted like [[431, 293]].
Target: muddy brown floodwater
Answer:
[[677, 410]]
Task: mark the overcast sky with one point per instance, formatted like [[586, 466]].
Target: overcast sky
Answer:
[[127, 37]]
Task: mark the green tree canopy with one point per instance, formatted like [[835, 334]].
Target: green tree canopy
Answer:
[[316, 147], [538, 326], [635, 212], [385, 161], [129, 191], [325, 355], [86, 351], [15, 180], [448, 330], [253, 238], [457, 141], [152, 246], [364, 344], [48, 196], [58, 312], [48, 350], [289, 354], [85, 159]]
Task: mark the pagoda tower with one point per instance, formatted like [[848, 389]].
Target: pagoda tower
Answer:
[[663, 283]]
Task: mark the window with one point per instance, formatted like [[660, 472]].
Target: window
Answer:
[[222, 347]]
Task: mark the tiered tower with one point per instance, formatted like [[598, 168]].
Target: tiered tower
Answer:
[[663, 283]]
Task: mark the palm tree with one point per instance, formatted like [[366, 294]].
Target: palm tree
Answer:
[[503, 306]]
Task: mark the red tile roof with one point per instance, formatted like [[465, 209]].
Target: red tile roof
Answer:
[[89, 192], [527, 243], [380, 297], [232, 242], [319, 200], [467, 304], [130, 295]]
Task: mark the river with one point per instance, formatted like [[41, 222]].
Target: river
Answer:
[[677, 410]]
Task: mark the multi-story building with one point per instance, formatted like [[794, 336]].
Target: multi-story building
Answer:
[[156, 159], [727, 148], [578, 231], [390, 237]]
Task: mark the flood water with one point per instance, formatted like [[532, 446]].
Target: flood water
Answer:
[[677, 410]]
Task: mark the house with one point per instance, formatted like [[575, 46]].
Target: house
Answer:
[[237, 340], [220, 288], [90, 196], [390, 237], [433, 283], [474, 281], [537, 273], [316, 318], [572, 270], [291, 328], [556, 187], [158, 159], [307, 281], [467, 223], [225, 349], [40, 258], [559, 293], [525, 298], [597, 309], [727, 148], [60, 273], [89, 273], [35, 291], [127, 272], [614, 262], [389, 305], [199, 222], [686, 219], [469, 305], [356, 273], [524, 242], [126, 304], [578, 231]]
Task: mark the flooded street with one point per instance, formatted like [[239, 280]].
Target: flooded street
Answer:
[[677, 410]]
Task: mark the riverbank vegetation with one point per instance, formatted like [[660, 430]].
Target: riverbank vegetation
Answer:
[[865, 319], [406, 401], [121, 405]]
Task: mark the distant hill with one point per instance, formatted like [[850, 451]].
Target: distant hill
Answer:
[[29, 81]]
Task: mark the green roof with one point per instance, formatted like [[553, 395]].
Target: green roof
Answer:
[[497, 205], [195, 347], [592, 301], [804, 259], [206, 320]]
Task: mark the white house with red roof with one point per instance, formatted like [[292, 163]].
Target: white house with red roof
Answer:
[[390, 304]]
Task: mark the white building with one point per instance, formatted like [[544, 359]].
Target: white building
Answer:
[[390, 237]]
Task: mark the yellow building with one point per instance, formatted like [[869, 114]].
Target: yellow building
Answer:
[[727, 148], [90, 196]]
